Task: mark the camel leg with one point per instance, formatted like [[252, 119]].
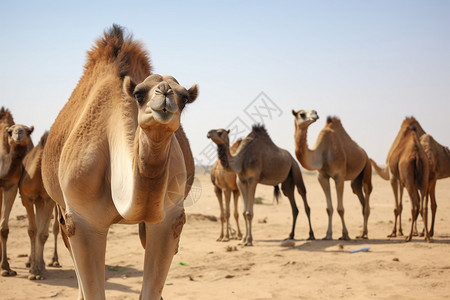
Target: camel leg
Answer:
[[227, 193], [8, 199], [32, 229], [88, 245], [325, 183], [413, 194], [243, 190], [55, 261], [161, 245], [298, 181], [218, 192], [236, 213], [340, 207], [44, 209], [424, 200], [400, 209], [248, 191], [432, 193], [288, 190], [365, 183]]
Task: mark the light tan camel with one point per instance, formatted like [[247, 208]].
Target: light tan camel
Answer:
[[118, 154], [15, 143], [34, 197], [409, 163], [224, 181], [259, 160], [439, 159], [335, 155], [384, 173]]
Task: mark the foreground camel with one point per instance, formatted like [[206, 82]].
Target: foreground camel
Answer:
[[335, 155], [225, 181], [34, 197], [117, 154], [15, 143], [259, 160], [409, 163], [439, 159], [385, 173]]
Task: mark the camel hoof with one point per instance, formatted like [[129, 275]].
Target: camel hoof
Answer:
[[311, 237], [408, 239], [35, 277], [7, 273], [219, 239], [392, 235], [327, 238], [344, 238], [225, 239], [248, 244], [28, 264], [54, 264]]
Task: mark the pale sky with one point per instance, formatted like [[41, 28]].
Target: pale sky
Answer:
[[371, 63]]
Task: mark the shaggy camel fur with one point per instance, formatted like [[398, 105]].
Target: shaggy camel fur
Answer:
[[409, 163], [118, 154], [15, 143], [34, 196], [225, 181], [259, 160], [335, 155], [439, 159], [384, 173]]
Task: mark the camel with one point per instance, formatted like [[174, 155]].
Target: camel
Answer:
[[409, 163], [15, 143], [335, 155], [384, 173], [225, 181], [259, 160], [439, 159], [33, 196], [117, 153]]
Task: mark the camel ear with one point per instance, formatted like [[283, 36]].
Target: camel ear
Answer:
[[8, 130], [294, 113], [228, 131], [193, 93], [30, 130], [128, 86]]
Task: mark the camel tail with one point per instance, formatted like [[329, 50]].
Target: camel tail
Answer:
[[276, 193], [382, 172]]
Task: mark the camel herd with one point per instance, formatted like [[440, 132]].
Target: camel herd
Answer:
[[117, 153]]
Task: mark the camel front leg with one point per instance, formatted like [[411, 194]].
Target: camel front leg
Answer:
[[396, 187], [432, 193], [250, 188], [413, 194], [236, 213], [325, 184], [55, 260], [243, 190], [32, 229], [340, 207], [9, 196], [161, 245], [218, 192], [227, 193]]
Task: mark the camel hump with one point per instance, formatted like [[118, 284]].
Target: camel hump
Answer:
[[43, 139], [118, 47], [6, 116]]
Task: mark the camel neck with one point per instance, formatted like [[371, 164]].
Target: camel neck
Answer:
[[153, 155], [304, 155], [223, 153], [13, 160]]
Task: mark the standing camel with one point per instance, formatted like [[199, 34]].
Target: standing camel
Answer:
[[335, 155], [225, 181], [259, 160], [409, 163], [117, 153], [384, 173], [34, 196], [439, 159], [15, 143]]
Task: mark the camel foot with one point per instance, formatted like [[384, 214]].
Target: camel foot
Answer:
[[345, 238], [7, 273], [54, 264], [248, 244], [428, 240], [311, 237], [28, 264], [393, 234], [327, 238], [363, 236], [35, 277], [408, 238], [219, 239], [225, 239], [400, 233]]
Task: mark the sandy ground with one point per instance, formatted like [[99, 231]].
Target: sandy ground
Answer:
[[204, 269]]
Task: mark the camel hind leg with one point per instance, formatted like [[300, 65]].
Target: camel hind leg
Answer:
[[218, 192], [325, 184], [8, 201], [301, 189], [236, 213], [288, 190], [364, 183], [227, 193], [55, 260]]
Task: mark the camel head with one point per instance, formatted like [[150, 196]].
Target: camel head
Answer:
[[160, 101], [219, 136], [19, 134], [304, 118]]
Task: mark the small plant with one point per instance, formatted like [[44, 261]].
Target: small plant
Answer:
[[258, 200]]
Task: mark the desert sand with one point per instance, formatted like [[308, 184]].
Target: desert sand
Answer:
[[206, 269]]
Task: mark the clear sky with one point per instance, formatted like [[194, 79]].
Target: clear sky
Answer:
[[371, 63]]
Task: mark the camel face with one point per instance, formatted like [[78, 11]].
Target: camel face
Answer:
[[219, 136], [19, 134], [161, 100], [304, 118]]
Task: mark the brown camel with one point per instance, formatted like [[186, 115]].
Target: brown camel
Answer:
[[335, 155], [259, 160], [225, 181], [34, 197], [409, 163], [15, 143], [439, 159], [384, 173], [117, 154]]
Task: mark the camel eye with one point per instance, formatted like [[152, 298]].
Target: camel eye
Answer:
[[220, 133], [302, 115], [139, 97]]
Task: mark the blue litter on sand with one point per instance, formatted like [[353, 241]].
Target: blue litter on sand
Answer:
[[359, 250]]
